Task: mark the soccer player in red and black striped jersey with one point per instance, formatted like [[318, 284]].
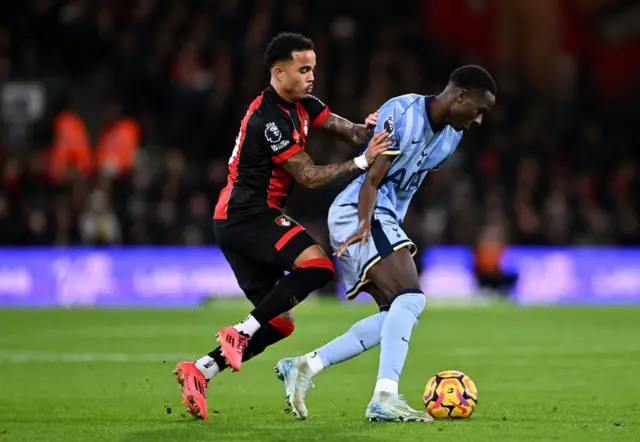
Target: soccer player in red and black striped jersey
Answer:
[[259, 241]]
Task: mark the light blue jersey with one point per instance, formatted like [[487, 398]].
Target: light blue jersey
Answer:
[[418, 149]]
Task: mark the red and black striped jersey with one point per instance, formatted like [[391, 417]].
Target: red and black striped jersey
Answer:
[[271, 132]]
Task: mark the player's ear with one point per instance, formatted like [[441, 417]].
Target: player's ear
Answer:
[[277, 72], [462, 95]]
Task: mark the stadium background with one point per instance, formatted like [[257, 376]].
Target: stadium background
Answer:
[[118, 118], [117, 121]]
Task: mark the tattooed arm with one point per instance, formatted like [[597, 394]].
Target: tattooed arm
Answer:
[[300, 166], [355, 133], [321, 116]]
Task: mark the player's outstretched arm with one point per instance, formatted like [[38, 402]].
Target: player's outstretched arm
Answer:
[[355, 133], [367, 201], [301, 167], [369, 190]]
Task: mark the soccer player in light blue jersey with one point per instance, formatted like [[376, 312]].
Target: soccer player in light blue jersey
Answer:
[[377, 258]]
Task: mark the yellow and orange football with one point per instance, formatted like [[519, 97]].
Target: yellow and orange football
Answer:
[[450, 395]]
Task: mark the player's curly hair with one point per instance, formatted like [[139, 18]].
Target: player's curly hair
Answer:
[[281, 47], [473, 77]]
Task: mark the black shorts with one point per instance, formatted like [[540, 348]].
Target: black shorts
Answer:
[[259, 249]]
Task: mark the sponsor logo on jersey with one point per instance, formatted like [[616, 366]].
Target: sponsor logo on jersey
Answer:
[[281, 145]]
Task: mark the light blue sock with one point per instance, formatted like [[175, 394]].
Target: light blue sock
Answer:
[[362, 336], [396, 333]]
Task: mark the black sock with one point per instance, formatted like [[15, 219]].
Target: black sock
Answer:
[[293, 289], [266, 336]]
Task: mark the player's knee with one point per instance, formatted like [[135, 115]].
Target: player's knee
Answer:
[[397, 284], [321, 270], [288, 316], [389, 293], [388, 290], [283, 325], [383, 298], [311, 253], [413, 300]]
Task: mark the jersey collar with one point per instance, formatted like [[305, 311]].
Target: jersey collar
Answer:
[[427, 99], [271, 93]]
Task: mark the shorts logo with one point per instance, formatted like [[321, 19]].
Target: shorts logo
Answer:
[[283, 221], [272, 133]]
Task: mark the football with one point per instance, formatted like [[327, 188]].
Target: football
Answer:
[[450, 395]]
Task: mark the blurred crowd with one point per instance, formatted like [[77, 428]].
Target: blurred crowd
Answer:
[[119, 116]]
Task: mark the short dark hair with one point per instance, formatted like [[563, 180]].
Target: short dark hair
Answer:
[[473, 77], [281, 47]]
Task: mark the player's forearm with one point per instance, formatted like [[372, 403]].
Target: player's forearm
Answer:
[[301, 168], [355, 133], [367, 200], [314, 177], [369, 191]]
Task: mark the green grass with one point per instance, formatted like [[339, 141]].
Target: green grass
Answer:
[[94, 375]]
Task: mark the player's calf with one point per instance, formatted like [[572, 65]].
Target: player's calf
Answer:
[[397, 285], [292, 289], [277, 329], [362, 336], [308, 276], [395, 336]]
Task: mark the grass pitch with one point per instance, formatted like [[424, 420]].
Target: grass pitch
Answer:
[[105, 375]]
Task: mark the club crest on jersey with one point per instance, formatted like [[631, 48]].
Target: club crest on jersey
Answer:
[[388, 125], [305, 125], [272, 133], [283, 221]]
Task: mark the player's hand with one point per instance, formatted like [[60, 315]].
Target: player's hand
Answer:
[[361, 236], [364, 130], [371, 120], [378, 144]]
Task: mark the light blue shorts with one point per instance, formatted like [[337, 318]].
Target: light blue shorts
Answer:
[[386, 237]]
